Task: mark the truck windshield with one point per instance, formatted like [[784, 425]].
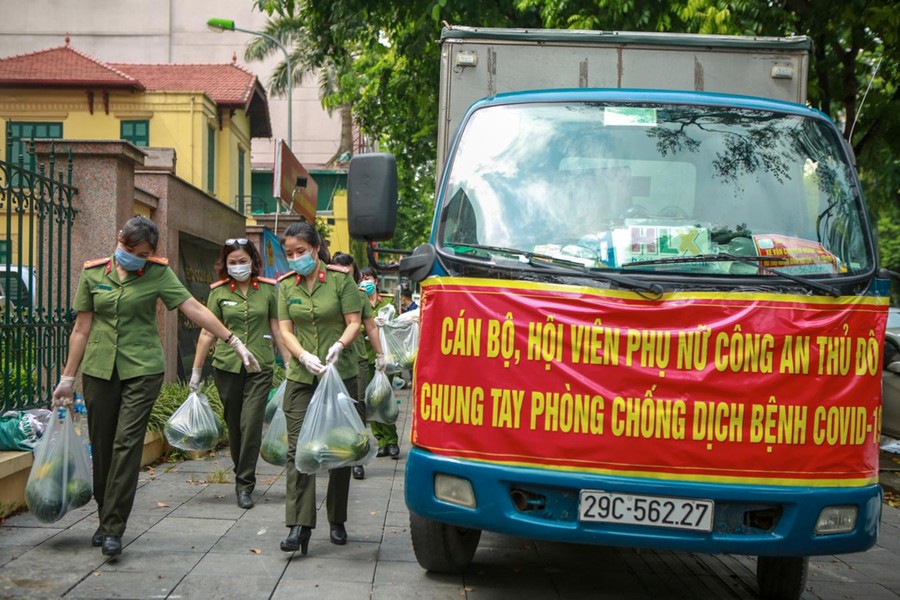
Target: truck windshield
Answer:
[[656, 188]]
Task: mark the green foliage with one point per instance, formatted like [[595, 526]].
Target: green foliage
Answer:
[[384, 62]]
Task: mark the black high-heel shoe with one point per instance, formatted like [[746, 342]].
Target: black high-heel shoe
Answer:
[[338, 534], [297, 539]]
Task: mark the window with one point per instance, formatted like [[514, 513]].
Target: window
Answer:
[[136, 132], [4, 252], [18, 132], [211, 163]]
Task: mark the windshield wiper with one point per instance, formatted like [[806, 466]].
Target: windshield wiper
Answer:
[[560, 265], [753, 260]]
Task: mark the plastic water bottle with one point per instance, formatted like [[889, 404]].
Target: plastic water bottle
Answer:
[[79, 420]]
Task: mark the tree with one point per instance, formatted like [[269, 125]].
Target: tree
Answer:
[[393, 77]]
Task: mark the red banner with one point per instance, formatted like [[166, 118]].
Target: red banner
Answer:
[[715, 387]]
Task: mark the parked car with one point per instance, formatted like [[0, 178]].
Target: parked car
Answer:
[[19, 284], [890, 377]]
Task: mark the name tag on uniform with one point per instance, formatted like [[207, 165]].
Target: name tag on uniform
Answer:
[[295, 301], [103, 286], [229, 303]]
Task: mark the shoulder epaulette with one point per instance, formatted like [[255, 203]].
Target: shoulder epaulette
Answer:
[[96, 262], [338, 268], [216, 284], [267, 280], [160, 260], [286, 275]]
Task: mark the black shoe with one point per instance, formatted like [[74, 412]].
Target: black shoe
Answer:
[[338, 534], [244, 500], [112, 545], [297, 539], [382, 451], [394, 451], [359, 472], [97, 539]]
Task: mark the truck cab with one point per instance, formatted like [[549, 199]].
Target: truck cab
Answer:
[[650, 317]]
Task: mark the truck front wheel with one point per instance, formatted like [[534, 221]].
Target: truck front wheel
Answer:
[[780, 577], [440, 547]]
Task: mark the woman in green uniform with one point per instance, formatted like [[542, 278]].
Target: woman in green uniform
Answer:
[[385, 433], [346, 262], [115, 341], [318, 310], [248, 304]]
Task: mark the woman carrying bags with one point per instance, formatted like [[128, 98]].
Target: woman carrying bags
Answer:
[[319, 315], [115, 341], [247, 304]]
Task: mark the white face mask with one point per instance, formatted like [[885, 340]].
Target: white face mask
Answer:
[[240, 272]]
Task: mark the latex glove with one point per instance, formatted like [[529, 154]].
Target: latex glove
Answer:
[[312, 363], [334, 353], [194, 383], [64, 394], [250, 362], [379, 362]]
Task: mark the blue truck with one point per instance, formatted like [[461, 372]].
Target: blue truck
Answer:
[[651, 303]]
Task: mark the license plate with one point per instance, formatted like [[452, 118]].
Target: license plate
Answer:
[[653, 511]]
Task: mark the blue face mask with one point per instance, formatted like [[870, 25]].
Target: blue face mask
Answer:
[[368, 286], [303, 265], [129, 262]]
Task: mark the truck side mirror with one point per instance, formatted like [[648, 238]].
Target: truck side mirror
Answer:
[[418, 265], [372, 196]]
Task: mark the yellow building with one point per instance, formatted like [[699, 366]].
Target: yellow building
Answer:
[[206, 113]]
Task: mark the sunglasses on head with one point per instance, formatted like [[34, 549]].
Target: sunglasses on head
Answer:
[[237, 242]]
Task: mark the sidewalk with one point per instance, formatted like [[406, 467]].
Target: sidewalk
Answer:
[[187, 539]]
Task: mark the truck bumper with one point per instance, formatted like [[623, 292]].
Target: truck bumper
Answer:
[[543, 504]]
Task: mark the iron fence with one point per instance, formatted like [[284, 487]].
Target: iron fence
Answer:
[[36, 216]]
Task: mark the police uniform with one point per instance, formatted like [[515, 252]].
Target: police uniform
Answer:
[[244, 394], [362, 355], [318, 318], [385, 433], [122, 372]]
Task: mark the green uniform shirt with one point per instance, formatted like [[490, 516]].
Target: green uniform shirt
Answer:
[[318, 317], [381, 303], [124, 334], [359, 342], [247, 317]]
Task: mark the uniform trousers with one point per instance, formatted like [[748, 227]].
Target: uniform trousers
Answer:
[[300, 496], [244, 398], [118, 411]]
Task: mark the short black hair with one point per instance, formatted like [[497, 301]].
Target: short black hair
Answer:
[[140, 229]]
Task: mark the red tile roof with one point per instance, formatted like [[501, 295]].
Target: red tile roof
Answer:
[[226, 85], [60, 67]]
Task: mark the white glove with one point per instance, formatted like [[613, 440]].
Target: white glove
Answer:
[[312, 363], [250, 362], [379, 362], [63, 395], [334, 353], [194, 384]]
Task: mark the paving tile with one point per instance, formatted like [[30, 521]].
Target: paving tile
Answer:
[[126, 585], [141, 559], [309, 589], [25, 536], [317, 568]]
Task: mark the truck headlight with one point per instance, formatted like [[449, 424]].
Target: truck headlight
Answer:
[[454, 490], [836, 519]]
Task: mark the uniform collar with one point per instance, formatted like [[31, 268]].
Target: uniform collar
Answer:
[[138, 273], [320, 277], [254, 283]]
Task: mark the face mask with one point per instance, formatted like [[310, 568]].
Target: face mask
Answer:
[[240, 272], [129, 262], [368, 286], [303, 265]]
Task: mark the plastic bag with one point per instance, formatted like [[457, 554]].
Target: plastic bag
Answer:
[[381, 405], [274, 447], [276, 399], [60, 478], [332, 435], [194, 425], [20, 430], [399, 338]]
